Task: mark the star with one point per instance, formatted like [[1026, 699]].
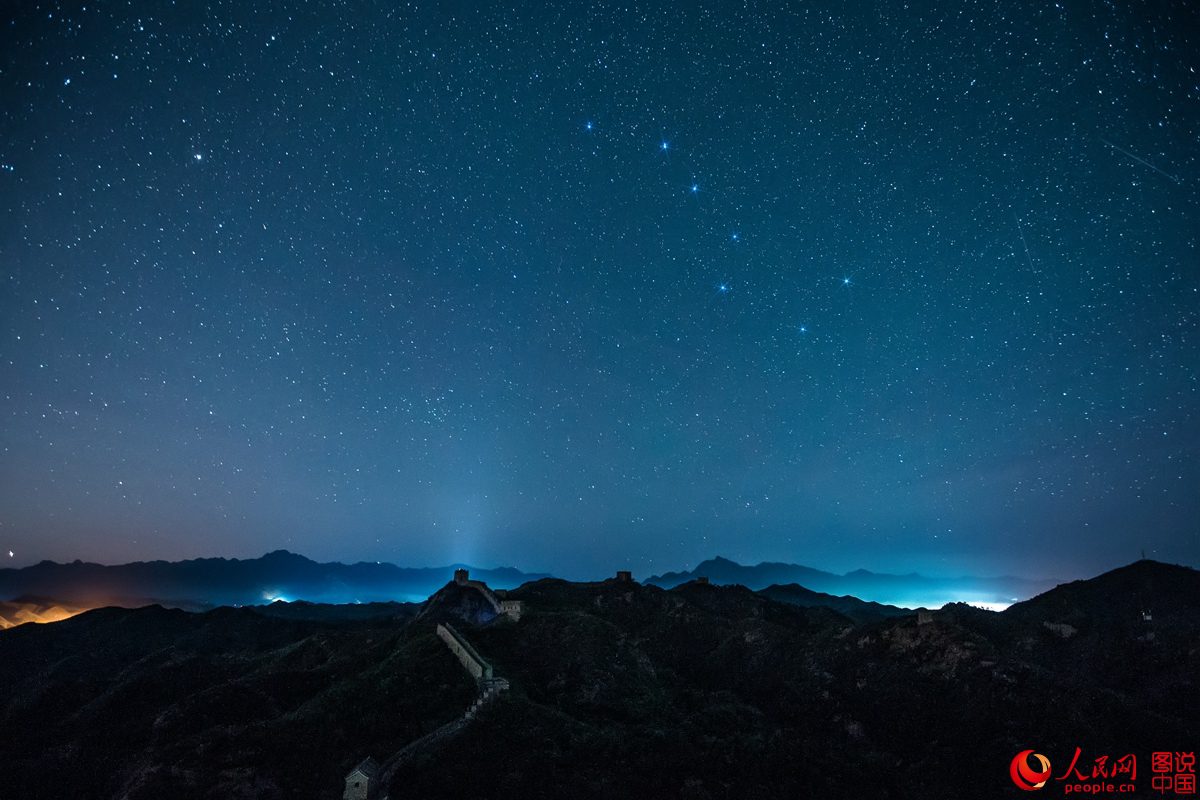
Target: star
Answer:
[[664, 145], [735, 236], [695, 188], [588, 125], [723, 288], [845, 281], [198, 157], [11, 554], [803, 329]]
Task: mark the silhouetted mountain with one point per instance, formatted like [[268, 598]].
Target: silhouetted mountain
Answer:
[[852, 607], [231, 703], [457, 604], [617, 690], [723, 571], [909, 591], [1168, 593], [208, 582]]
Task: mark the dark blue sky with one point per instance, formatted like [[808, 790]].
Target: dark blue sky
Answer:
[[572, 288]]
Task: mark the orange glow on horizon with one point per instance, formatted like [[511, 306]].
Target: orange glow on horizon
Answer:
[[18, 613]]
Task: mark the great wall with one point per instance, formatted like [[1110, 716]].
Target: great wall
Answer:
[[504, 608], [369, 780]]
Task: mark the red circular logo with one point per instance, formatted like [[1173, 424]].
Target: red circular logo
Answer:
[[1024, 776]]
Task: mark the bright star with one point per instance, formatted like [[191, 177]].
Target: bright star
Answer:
[[804, 329], [11, 554], [723, 288], [695, 188], [198, 157], [588, 125], [845, 281], [735, 236], [664, 145]]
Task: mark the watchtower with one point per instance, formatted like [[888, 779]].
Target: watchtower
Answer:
[[362, 782]]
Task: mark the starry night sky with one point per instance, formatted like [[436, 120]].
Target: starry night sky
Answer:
[[896, 286]]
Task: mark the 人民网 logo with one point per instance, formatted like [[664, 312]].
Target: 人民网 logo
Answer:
[[1025, 776]]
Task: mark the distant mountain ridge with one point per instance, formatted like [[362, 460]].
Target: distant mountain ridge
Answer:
[[207, 582], [201, 583], [910, 591], [618, 689], [857, 610]]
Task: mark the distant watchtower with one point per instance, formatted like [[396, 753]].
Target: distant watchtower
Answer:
[[624, 576], [461, 577], [363, 782]]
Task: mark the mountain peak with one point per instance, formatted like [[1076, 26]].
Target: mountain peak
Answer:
[[286, 555], [1165, 590], [720, 561]]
